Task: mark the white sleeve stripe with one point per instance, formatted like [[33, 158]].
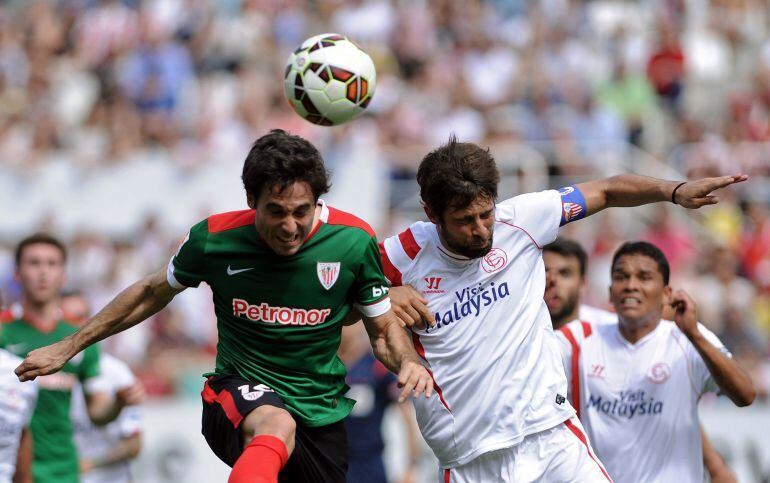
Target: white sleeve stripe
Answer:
[[171, 278], [376, 309], [396, 254]]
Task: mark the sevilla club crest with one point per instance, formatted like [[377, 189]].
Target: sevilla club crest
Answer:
[[328, 273]]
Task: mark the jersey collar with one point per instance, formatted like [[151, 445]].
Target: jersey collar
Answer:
[[641, 342], [447, 254]]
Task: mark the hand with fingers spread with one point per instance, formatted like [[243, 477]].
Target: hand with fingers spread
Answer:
[[697, 193], [410, 307], [46, 360], [414, 378]]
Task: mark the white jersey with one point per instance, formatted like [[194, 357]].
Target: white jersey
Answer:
[[596, 315], [639, 402], [17, 403], [493, 354], [95, 442]]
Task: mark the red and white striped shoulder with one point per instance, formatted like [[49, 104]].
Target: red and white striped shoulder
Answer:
[[398, 252]]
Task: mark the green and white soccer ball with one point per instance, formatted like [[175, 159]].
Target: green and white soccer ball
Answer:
[[329, 80]]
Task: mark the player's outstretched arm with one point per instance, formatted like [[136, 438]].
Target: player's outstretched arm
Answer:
[[729, 376], [636, 190], [392, 347], [133, 305]]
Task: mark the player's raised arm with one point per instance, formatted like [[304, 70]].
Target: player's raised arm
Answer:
[[636, 190], [133, 305], [728, 375]]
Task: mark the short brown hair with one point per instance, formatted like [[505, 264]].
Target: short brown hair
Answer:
[[37, 238], [455, 174]]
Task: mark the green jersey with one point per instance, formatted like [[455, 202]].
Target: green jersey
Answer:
[[280, 318], [55, 456]]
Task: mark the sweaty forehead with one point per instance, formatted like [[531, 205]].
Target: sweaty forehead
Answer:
[[291, 196], [555, 260], [41, 250], [475, 207], [636, 262]]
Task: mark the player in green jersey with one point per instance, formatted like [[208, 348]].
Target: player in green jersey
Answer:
[[285, 275], [36, 322]]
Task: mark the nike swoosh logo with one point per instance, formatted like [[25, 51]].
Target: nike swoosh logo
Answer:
[[230, 271]]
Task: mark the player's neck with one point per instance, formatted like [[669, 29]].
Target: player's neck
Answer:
[[42, 315], [559, 322], [635, 330]]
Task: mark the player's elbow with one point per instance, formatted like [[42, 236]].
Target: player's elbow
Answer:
[[745, 396]]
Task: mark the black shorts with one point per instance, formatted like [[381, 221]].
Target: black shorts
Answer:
[[320, 454]]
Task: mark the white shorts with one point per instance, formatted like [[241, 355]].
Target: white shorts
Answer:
[[560, 454]]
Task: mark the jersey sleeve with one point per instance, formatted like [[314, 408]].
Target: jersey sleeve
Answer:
[[89, 367], [371, 287], [538, 214], [129, 421], [186, 267], [702, 378]]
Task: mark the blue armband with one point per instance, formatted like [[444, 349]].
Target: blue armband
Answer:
[[573, 205]]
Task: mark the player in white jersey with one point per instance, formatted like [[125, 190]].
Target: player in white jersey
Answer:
[[106, 452], [17, 403], [565, 269], [500, 413], [636, 383]]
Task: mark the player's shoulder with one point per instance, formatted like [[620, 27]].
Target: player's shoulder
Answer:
[[400, 251], [534, 200], [231, 220], [334, 216], [596, 315], [7, 315], [577, 331]]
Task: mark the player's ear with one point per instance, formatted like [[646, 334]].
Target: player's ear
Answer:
[[431, 216], [667, 292], [250, 201]]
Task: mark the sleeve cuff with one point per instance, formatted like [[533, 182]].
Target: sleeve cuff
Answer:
[[374, 310], [171, 278]]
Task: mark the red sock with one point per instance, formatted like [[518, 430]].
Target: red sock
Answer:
[[260, 461]]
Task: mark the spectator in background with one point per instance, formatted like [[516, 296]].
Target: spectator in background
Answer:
[[665, 68], [374, 390]]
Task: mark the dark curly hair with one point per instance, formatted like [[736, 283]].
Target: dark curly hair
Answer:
[[648, 250], [279, 158], [455, 174]]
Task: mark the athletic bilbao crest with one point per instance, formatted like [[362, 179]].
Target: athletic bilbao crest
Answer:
[[328, 273]]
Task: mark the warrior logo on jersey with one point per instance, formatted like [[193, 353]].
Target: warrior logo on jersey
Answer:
[[494, 260], [328, 273]]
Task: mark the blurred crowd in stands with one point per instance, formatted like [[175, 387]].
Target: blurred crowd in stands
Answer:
[[87, 86]]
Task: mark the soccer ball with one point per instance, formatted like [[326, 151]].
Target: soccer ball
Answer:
[[329, 80]]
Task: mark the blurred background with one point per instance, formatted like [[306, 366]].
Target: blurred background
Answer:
[[122, 123]]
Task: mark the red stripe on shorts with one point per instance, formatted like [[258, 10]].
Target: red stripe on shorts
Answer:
[[447, 476], [582, 437], [224, 399]]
